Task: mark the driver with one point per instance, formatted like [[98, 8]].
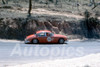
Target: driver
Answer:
[[47, 34]]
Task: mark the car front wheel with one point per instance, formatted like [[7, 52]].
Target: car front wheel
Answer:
[[61, 41], [35, 41]]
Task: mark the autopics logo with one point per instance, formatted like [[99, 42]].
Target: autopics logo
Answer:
[[47, 51]]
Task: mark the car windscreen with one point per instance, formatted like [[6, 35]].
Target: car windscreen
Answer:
[[41, 34]]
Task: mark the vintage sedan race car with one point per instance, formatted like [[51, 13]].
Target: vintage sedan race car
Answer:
[[45, 36]]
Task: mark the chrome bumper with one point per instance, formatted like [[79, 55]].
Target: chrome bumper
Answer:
[[26, 41], [66, 41]]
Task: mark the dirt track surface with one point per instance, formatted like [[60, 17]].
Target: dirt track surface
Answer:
[[16, 52]]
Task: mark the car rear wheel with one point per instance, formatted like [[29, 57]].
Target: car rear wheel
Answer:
[[35, 41], [61, 41]]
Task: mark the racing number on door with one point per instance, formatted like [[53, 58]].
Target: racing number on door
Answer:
[[49, 39]]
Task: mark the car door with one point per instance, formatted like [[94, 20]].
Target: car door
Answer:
[[42, 37], [50, 38], [54, 39]]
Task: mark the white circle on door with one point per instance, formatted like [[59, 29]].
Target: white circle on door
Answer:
[[49, 39]]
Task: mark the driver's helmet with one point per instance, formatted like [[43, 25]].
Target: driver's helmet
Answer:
[[47, 34]]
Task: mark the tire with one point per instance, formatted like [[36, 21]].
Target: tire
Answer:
[[35, 41], [61, 41]]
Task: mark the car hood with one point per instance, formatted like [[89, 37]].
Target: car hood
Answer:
[[31, 36], [58, 35]]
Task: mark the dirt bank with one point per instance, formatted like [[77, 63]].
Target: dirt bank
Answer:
[[19, 28]]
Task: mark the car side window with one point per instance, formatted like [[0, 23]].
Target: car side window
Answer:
[[41, 34], [49, 34]]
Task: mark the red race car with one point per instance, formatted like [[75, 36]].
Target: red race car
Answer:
[[45, 36]]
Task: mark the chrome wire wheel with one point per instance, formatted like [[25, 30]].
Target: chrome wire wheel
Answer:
[[61, 41], [35, 41]]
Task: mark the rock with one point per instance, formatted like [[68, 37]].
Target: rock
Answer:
[[41, 26], [66, 28], [55, 23], [60, 26], [48, 25], [56, 30], [31, 25]]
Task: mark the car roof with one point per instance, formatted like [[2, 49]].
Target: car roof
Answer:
[[43, 31]]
